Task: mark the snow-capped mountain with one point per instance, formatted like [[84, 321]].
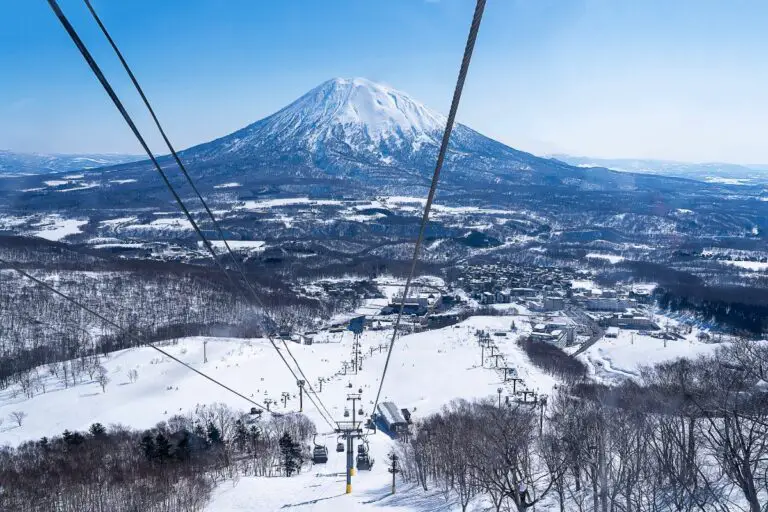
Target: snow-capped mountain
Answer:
[[355, 127], [356, 138], [13, 163]]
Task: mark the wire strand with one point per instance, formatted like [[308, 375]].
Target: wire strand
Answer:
[[115, 99], [170, 146], [473, 30], [116, 326], [191, 182]]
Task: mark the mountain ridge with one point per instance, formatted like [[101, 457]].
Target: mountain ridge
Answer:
[[21, 163]]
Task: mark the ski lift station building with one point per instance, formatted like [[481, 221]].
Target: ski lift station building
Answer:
[[392, 418]]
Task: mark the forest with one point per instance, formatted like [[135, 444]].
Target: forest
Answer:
[[692, 437], [172, 467], [741, 309]]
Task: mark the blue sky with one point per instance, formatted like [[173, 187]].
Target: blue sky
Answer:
[[684, 80]]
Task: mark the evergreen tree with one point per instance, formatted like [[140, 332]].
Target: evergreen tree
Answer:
[[97, 430], [162, 447], [182, 450], [73, 438], [291, 455], [148, 445], [214, 436], [201, 434], [241, 435]]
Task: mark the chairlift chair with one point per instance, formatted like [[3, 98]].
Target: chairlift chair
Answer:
[[319, 453], [364, 460]]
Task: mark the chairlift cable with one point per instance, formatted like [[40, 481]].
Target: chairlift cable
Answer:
[[170, 146], [191, 182], [120, 329], [110, 91], [474, 27]]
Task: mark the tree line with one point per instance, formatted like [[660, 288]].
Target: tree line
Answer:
[[38, 328], [691, 435], [172, 467], [740, 308]]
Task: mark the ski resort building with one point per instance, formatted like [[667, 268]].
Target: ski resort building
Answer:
[[391, 418]]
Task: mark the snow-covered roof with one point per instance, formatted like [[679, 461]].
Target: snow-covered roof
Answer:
[[391, 413]]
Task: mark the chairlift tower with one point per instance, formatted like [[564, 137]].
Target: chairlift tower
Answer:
[[349, 430], [300, 383]]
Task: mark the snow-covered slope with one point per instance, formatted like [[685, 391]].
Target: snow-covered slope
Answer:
[[355, 127], [426, 371]]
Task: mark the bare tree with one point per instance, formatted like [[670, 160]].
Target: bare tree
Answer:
[[18, 417], [102, 378]]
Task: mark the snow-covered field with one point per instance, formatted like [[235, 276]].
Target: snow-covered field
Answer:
[[615, 359], [754, 266], [237, 245], [55, 227], [426, 371], [613, 258]]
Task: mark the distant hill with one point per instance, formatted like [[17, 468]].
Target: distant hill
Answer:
[[710, 172], [12, 163]]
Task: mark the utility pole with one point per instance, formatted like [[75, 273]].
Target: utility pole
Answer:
[[499, 390], [285, 396], [267, 402], [205, 352], [300, 383], [344, 365], [394, 470], [515, 380], [496, 360], [321, 380]]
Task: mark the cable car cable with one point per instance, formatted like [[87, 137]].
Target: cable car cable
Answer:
[[184, 171], [113, 324], [473, 30], [170, 146], [115, 99]]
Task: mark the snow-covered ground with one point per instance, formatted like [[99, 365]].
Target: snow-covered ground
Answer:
[[427, 370], [237, 245], [55, 227], [227, 185], [615, 359], [754, 266], [613, 258], [287, 201]]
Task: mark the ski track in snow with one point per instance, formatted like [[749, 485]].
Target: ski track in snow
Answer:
[[427, 370]]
